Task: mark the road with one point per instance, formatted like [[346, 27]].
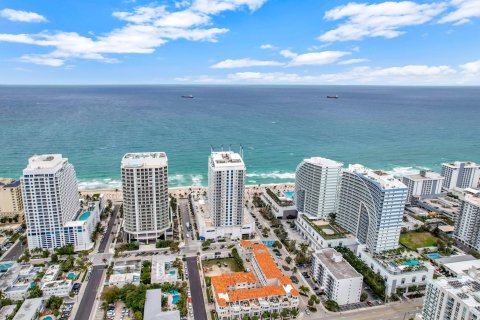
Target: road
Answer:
[[15, 252], [90, 293], [199, 311], [111, 222], [183, 206]]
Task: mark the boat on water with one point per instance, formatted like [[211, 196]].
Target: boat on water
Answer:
[[187, 96], [333, 97]]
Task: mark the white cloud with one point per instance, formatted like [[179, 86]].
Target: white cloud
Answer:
[[313, 58], [21, 16], [471, 68], [353, 61], [465, 10], [267, 46], [267, 76], [378, 20], [42, 60], [147, 28], [244, 63]]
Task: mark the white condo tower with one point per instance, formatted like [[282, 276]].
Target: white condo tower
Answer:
[[50, 197], [226, 188], [371, 207], [317, 183], [145, 195]]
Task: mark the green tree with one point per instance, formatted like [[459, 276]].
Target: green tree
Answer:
[[331, 305], [363, 296], [35, 292]]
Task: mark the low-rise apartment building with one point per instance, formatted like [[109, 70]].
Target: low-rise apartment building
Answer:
[[59, 288], [282, 205], [399, 270], [265, 289], [339, 280], [320, 234]]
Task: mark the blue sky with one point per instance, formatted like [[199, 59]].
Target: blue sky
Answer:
[[240, 42]]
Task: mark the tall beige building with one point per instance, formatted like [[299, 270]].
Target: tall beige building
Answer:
[[145, 195], [11, 204]]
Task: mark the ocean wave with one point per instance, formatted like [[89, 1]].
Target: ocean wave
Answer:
[[196, 180], [405, 171], [98, 184], [272, 175]]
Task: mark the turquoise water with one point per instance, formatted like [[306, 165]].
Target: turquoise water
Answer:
[[394, 128], [84, 216], [71, 275], [435, 255], [173, 272], [47, 318], [5, 266], [411, 263], [175, 296], [289, 194]]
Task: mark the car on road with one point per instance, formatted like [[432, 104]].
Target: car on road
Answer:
[[294, 279], [307, 312]]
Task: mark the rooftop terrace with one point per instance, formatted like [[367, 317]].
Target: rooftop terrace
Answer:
[[384, 179]]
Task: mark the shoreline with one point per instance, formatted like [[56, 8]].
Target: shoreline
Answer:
[[116, 194]]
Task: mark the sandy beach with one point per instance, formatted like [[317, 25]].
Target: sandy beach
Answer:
[[116, 194]]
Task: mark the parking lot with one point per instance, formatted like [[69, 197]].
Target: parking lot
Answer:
[[65, 310]]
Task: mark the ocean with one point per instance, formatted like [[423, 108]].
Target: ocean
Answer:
[[399, 129]]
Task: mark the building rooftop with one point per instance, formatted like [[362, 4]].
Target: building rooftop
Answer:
[[51, 273], [324, 162], [45, 162], [144, 159], [475, 200], [28, 309], [466, 287], [9, 183], [335, 263], [153, 307], [425, 175], [7, 311], [462, 267], [57, 283], [457, 164], [384, 179], [226, 159]]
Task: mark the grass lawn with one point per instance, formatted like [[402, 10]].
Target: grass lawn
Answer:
[[228, 261], [414, 240]]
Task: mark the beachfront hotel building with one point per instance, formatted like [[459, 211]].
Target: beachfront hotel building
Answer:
[[460, 175], [226, 188], [453, 298], [467, 224], [145, 195], [339, 280], [264, 290], [50, 199], [11, 203], [371, 207], [317, 182], [425, 184]]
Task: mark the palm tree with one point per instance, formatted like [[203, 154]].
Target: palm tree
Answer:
[[285, 313], [303, 247], [304, 289], [266, 315], [275, 315], [294, 312]]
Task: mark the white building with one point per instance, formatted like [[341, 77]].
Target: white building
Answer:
[[467, 225], [29, 309], [50, 198], [453, 298], [226, 188], [425, 184], [79, 231], [340, 281], [320, 234], [153, 309], [409, 272], [163, 270], [51, 273], [145, 195], [371, 207], [317, 182], [207, 230], [460, 175], [59, 288], [283, 206]]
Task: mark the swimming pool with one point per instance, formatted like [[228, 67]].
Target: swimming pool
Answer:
[[47, 318], [434, 255], [175, 296], [71, 275], [84, 216], [411, 263], [5, 266], [289, 194], [172, 272]]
